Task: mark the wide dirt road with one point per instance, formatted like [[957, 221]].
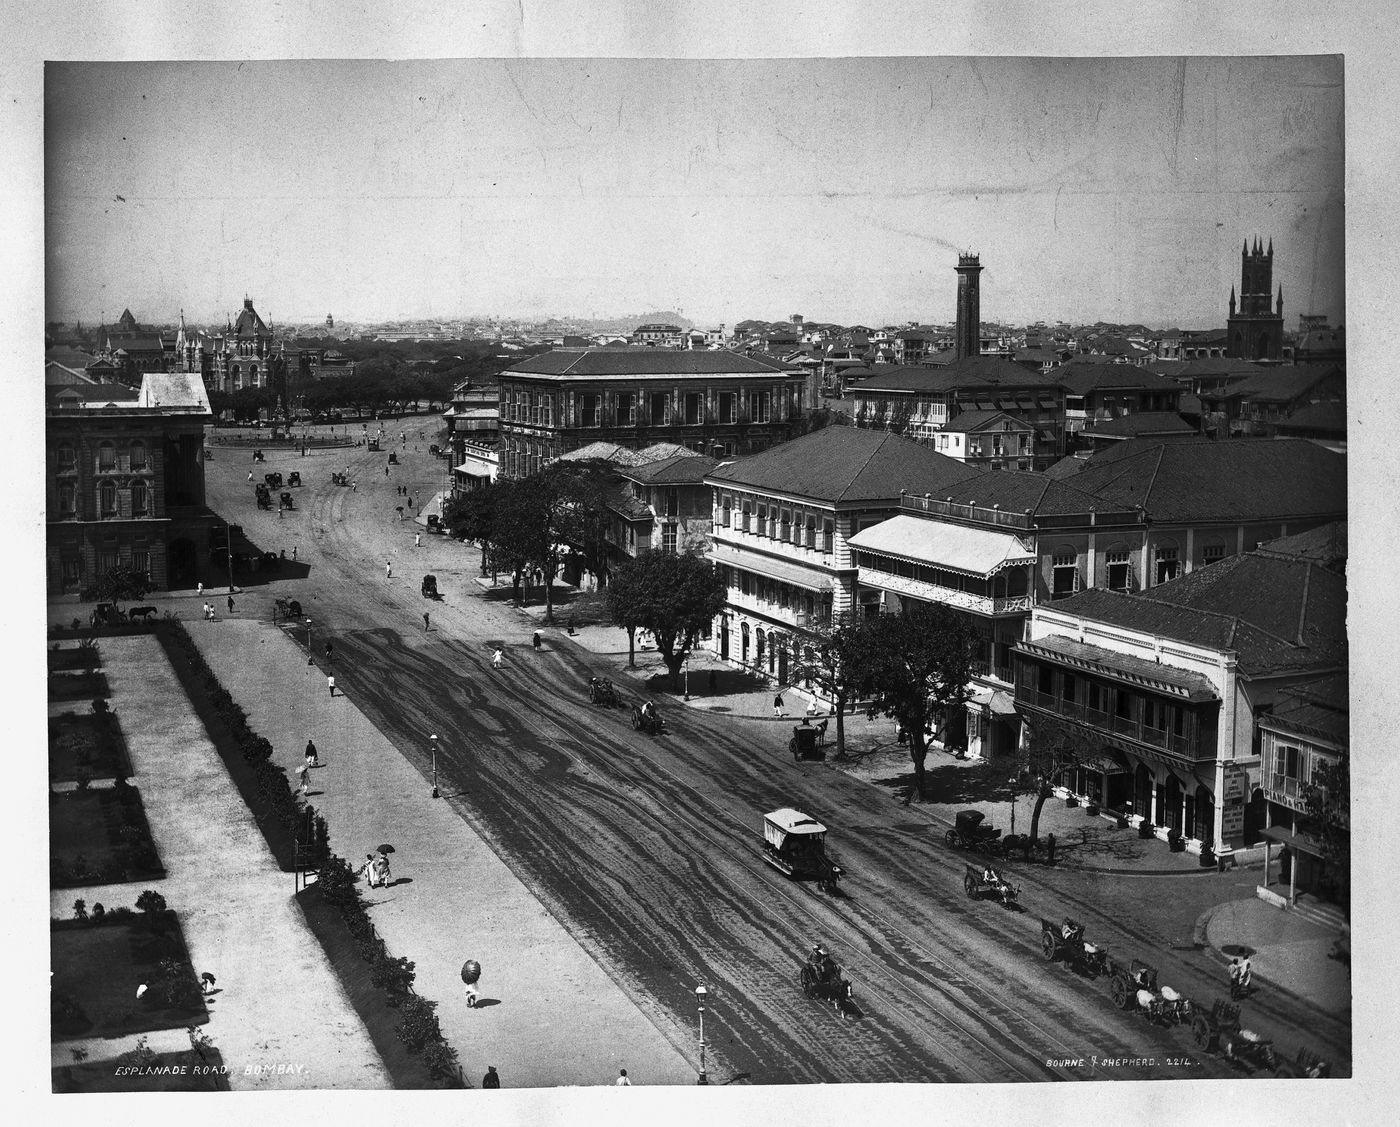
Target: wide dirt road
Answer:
[[648, 849]]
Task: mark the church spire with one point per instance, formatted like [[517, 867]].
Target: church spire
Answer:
[[1232, 301]]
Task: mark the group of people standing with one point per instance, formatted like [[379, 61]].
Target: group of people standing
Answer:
[[375, 870]]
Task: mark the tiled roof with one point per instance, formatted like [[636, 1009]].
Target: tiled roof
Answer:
[[69, 357], [141, 342], [1196, 685], [681, 469], [972, 371], [1276, 614], [586, 362], [1218, 366], [1017, 491], [1325, 545], [658, 450], [1284, 384], [1081, 379], [604, 452], [1317, 416], [847, 464], [1142, 423], [1317, 707], [1197, 481]]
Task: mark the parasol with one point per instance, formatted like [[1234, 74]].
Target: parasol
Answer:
[[385, 849], [471, 971]]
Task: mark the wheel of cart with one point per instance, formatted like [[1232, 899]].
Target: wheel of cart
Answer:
[[1123, 987], [803, 744], [1208, 1025]]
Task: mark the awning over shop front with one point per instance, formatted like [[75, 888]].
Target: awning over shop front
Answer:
[[474, 469], [955, 547], [1282, 835], [790, 573], [996, 701]]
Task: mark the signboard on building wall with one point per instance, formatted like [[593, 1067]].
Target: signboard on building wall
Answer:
[[1233, 796]]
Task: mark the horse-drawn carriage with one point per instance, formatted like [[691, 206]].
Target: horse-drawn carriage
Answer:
[[646, 719], [430, 587], [1218, 1030], [294, 478], [434, 449], [984, 881], [285, 609], [106, 614], [393, 458], [373, 444], [274, 480], [1065, 943], [1134, 987], [263, 495], [968, 832], [806, 742], [601, 691], [340, 478], [821, 977], [435, 523], [284, 501], [795, 844], [1307, 1065]]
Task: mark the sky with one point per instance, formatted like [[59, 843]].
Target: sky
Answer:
[[1115, 189]]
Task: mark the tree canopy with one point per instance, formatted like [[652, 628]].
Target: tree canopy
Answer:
[[675, 596], [834, 661], [917, 665], [120, 584]]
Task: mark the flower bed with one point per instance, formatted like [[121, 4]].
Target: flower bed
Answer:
[[100, 837], [84, 656], [78, 686], [185, 1071], [87, 746], [98, 963]]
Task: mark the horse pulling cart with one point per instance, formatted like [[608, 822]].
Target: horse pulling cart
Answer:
[[646, 719], [985, 881], [601, 691], [821, 977], [968, 832], [1134, 987], [795, 844], [1065, 943]]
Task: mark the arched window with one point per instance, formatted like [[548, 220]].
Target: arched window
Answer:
[[107, 498], [138, 455], [67, 499], [106, 456], [252, 375], [140, 498], [67, 457], [236, 377]]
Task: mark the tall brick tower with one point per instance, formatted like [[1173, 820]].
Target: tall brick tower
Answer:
[[1255, 330], [967, 337]]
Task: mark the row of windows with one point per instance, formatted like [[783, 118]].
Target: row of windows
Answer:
[[138, 456], [779, 522], [1007, 583], [1108, 700], [1118, 563], [107, 494], [771, 591]]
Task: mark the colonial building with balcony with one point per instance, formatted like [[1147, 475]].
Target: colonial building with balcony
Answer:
[[718, 403], [782, 526], [1163, 690], [1098, 393], [988, 440], [924, 401], [665, 506], [125, 482]]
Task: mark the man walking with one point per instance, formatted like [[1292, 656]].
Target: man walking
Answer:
[[294, 553], [496, 659], [303, 773], [417, 539], [230, 604], [329, 651], [388, 570], [425, 622], [330, 683], [313, 758]]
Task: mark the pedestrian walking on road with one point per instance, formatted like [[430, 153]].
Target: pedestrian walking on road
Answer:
[[496, 659], [250, 475], [313, 758], [330, 683], [386, 471], [230, 604], [491, 1079], [779, 709], [200, 589], [622, 1081], [354, 487], [425, 622], [329, 651], [367, 870], [294, 553], [388, 570], [1050, 849], [303, 774], [417, 539]]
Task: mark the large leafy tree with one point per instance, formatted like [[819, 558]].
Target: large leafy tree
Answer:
[[471, 516], [834, 660], [120, 584], [1048, 750], [674, 595], [918, 664]]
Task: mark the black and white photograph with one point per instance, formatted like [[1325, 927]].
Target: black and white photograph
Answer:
[[776, 569]]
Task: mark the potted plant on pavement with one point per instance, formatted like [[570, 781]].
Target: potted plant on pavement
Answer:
[[1145, 829]]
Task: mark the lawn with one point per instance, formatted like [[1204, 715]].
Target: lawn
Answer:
[[97, 968], [74, 657], [100, 837], [161, 1072], [87, 744], [78, 686]]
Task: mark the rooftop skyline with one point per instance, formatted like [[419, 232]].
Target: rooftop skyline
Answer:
[[1118, 190]]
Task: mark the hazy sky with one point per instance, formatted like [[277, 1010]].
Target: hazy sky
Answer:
[[1113, 189]]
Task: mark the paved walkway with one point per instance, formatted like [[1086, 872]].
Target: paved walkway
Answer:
[[1289, 951], [553, 1016], [278, 1002]]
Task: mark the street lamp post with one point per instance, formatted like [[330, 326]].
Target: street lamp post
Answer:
[[309, 659], [687, 676], [433, 740], [700, 1000]]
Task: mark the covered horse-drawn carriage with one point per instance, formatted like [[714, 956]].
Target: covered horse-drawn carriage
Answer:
[[806, 742], [285, 609], [795, 844], [1218, 1030], [1065, 943], [340, 478], [294, 478], [274, 480], [821, 977], [601, 691], [968, 832], [263, 495], [1134, 987], [646, 719], [284, 501], [430, 587], [984, 881]]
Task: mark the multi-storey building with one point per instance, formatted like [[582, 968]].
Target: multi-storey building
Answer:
[[718, 403], [244, 355], [125, 481], [1162, 692], [1096, 393], [988, 440], [923, 401], [659, 335], [781, 531], [1255, 330], [134, 349], [661, 506]]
